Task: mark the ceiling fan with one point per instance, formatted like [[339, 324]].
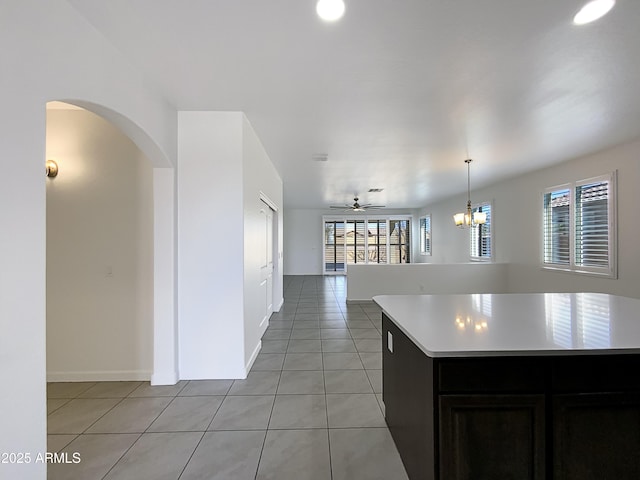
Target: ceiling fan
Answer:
[[357, 207]]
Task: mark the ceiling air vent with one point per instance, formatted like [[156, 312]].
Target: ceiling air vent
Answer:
[[319, 157], [375, 190]]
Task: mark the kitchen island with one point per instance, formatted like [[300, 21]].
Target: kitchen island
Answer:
[[513, 386]]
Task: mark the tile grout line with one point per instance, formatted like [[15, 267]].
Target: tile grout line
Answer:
[[146, 430], [101, 416], [266, 431], [140, 434], [121, 457], [326, 408], [192, 454]]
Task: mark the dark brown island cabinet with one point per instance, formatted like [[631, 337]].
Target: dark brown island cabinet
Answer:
[[513, 387]]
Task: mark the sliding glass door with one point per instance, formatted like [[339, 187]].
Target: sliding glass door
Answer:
[[377, 241], [355, 241], [334, 246], [349, 241]]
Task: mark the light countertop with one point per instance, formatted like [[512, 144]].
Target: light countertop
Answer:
[[516, 324]]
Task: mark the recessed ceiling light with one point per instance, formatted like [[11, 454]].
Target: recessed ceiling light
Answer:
[[593, 11], [330, 10]]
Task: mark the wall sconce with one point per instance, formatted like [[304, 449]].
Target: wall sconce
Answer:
[[51, 168]]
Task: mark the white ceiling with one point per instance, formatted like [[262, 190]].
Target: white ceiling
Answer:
[[398, 91]]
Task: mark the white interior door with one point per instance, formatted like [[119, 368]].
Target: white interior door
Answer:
[[266, 270]]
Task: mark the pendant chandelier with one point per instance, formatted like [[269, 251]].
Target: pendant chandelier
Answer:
[[469, 219]]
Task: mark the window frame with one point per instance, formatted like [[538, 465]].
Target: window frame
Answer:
[[422, 236], [483, 258], [611, 269]]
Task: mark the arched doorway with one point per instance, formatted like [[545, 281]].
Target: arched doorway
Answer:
[[111, 211]]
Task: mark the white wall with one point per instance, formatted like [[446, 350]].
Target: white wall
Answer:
[[517, 228], [366, 281], [259, 176], [165, 274], [304, 233], [210, 245], [449, 244], [52, 54], [99, 252], [223, 169]]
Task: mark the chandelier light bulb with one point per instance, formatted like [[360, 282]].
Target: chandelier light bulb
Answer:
[[592, 11], [330, 10]]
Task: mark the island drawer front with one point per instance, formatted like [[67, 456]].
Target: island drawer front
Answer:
[[492, 375], [596, 373]]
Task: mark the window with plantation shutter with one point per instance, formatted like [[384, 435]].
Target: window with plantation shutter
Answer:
[[480, 245], [592, 224], [557, 226], [579, 226], [425, 235]]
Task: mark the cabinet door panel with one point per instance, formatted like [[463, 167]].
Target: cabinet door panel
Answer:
[[596, 436], [489, 437]]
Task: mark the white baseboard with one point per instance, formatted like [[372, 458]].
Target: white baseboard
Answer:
[[276, 308], [253, 357], [100, 376], [164, 378], [206, 372]]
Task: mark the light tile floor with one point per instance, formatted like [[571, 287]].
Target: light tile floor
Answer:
[[311, 407]]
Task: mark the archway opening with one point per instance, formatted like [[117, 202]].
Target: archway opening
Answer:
[[100, 260]]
